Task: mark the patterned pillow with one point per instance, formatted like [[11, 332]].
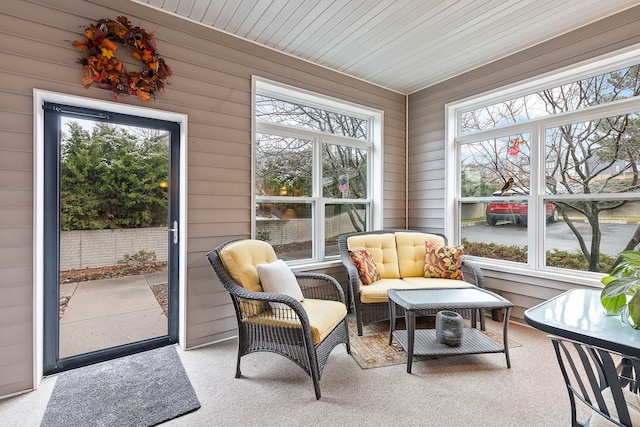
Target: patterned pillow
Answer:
[[443, 261], [366, 266]]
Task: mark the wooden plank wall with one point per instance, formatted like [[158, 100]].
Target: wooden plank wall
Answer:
[[426, 123], [212, 84]]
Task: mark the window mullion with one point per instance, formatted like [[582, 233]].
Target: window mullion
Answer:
[[318, 223]]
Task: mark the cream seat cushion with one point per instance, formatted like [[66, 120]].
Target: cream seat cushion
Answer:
[[412, 253], [633, 405], [377, 291], [323, 316], [383, 251], [240, 259], [435, 282]]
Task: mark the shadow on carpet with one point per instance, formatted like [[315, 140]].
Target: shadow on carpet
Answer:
[[144, 389], [372, 349]]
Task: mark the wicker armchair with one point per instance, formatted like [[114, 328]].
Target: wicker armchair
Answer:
[[303, 332], [368, 313]]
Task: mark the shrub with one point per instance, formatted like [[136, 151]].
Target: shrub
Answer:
[[555, 258]]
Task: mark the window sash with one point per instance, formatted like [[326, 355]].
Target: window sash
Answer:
[[537, 197]]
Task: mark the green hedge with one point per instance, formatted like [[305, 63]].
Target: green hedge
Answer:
[[555, 258]]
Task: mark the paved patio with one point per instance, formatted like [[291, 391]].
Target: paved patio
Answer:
[[110, 312]]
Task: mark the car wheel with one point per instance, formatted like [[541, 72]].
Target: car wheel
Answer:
[[491, 220], [554, 216]]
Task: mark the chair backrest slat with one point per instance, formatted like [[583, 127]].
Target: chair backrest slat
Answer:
[[599, 380]]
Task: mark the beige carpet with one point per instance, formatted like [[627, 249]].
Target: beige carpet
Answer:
[[372, 349]]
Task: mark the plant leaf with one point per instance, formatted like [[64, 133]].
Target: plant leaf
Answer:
[[614, 304], [634, 310], [619, 287], [632, 257]]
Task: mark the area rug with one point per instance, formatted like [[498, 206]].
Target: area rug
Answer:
[[143, 389], [372, 349]]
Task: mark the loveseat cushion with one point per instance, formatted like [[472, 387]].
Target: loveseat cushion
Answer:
[[377, 292], [383, 250], [324, 316], [411, 251], [423, 282]]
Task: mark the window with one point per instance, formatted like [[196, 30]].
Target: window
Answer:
[[547, 173], [317, 171]]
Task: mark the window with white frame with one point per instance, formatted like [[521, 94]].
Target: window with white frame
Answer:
[[315, 177], [547, 173]]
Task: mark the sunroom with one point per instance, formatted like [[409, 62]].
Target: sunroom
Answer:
[[553, 115]]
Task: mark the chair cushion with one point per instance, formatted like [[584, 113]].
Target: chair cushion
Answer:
[[443, 261], [366, 266], [383, 250], [411, 251], [240, 259], [633, 405], [323, 316], [277, 278]]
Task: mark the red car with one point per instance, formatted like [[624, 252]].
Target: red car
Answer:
[[515, 212]]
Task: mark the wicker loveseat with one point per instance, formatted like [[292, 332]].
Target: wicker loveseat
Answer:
[[304, 331], [400, 258]]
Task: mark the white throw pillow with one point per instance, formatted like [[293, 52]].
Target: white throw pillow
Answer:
[[277, 278]]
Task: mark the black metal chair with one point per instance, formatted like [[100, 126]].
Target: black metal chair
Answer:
[[604, 381], [291, 331]]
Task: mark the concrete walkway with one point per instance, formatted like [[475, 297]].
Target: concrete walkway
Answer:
[[110, 312]]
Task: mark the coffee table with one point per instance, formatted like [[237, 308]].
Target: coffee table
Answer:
[[417, 302]]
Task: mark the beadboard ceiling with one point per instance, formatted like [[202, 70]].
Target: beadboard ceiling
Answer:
[[403, 45]]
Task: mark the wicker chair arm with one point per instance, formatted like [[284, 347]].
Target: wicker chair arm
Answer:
[[472, 273], [320, 286], [353, 276]]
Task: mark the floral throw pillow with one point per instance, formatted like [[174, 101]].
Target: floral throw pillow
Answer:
[[443, 261], [366, 266]]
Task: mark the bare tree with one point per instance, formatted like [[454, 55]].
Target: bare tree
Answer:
[[586, 158]]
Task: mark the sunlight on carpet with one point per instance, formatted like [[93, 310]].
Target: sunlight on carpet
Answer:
[[372, 349]]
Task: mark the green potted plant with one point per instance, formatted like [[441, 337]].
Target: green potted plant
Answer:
[[620, 294]]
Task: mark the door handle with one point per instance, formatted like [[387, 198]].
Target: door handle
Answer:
[[174, 230]]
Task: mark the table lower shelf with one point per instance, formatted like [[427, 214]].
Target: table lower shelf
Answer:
[[426, 343]]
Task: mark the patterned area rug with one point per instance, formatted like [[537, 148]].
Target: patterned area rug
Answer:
[[372, 349]]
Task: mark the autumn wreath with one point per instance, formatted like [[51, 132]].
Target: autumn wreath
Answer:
[[101, 66]]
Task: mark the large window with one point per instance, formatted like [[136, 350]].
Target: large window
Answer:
[[547, 174], [315, 177]]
